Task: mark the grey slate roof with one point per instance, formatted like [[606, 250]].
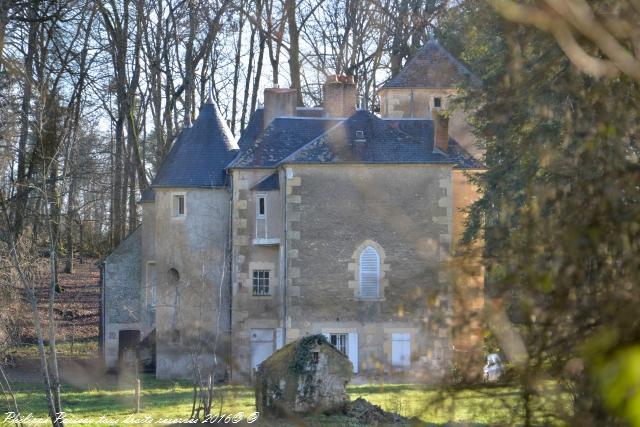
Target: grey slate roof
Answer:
[[281, 138], [254, 128], [200, 154], [148, 195], [432, 67], [366, 138], [270, 183]]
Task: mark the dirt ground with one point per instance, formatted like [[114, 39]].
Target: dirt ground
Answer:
[[77, 308], [77, 317]]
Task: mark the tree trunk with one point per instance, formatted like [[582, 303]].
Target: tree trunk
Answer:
[[236, 72], [294, 48], [22, 189], [71, 212]]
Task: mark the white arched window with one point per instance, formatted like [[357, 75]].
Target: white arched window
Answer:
[[369, 273]]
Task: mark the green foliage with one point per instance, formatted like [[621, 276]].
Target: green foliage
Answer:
[[560, 212], [302, 355], [619, 377]]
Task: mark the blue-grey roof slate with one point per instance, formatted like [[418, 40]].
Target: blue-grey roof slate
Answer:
[[281, 138], [366, 138], [362, 138], [270, 183], [252, 131], [148, 195], [200, 154], [432, 66]]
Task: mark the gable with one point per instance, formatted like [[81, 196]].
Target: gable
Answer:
[[432, 67]]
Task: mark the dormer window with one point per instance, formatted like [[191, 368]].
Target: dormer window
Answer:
[[179, 206], [437, 102]]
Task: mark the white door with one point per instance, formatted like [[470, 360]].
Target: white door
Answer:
[[401, 349], [261, 346]]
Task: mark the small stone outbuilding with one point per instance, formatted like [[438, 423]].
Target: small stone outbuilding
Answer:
[[306, 376]]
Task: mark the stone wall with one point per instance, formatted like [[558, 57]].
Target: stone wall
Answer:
[[406, 211], [249, 311], [468, 279], [147, 263], [191, 257], [122, 309]]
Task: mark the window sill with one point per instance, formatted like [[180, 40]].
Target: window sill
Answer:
[[370, 299], [266, 242]]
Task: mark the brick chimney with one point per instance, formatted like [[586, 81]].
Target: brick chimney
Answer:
[[440, 130], [278, 102], [340, 96]]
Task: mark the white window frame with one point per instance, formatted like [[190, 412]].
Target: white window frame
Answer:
[[341, 341], [351, 344], [399, 342], [263, 215], [364, 274], [175, 205]]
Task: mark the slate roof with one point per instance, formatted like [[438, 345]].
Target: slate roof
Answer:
[[270, 183], [432, 67], [148, 195], [281, 138], [366, 138], [200, 154]]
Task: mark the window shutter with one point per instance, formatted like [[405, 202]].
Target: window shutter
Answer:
[[369, 273], [352, 351], [401, 349], [279, 338]]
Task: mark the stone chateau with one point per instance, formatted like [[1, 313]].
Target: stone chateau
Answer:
[[332, 220]]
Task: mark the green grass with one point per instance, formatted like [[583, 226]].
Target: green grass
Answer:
[[172, 399], [64, 349]]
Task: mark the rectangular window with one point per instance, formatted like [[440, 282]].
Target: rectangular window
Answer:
[[178, 205], [152, 283], [261, 208], [437, 102], [261, 283], [401, 349], [340, 341]]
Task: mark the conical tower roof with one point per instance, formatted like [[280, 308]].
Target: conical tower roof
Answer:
[[200, 154]]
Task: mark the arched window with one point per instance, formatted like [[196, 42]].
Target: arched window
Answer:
[[369, 273], [173, 277]]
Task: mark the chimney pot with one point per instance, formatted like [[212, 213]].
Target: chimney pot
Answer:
[[340, 96], [278, 102]]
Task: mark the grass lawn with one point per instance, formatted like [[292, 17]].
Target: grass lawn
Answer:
[[171, 400], [64, 349]]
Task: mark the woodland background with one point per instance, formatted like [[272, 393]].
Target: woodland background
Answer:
[[93, 93]]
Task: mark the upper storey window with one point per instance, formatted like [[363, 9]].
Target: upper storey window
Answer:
[[179, 205], [437, 102], [261, 206], [369, 273]]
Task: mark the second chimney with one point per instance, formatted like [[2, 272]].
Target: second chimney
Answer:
[[440, 130], [278, 102], [340, 96]]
